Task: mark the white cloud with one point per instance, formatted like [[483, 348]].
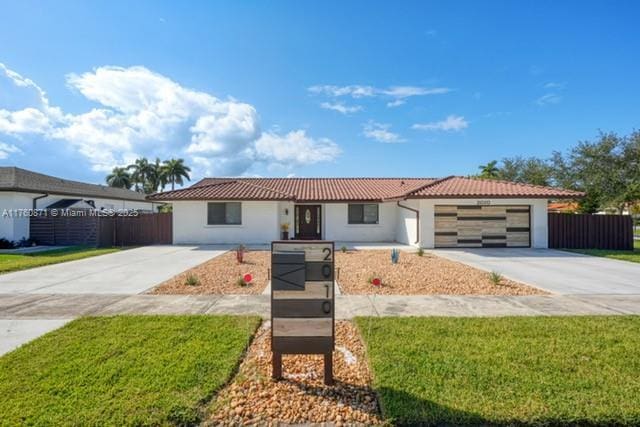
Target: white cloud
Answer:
[[355, 91], [402, 92], [142, 113], [396, 103], [340, 107], [380, 132], [398, 94], [548, 99], [7, 149], [451, 123], [554, 85], [295, 148]]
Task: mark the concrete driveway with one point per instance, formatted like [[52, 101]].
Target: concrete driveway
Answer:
[[556, 271], [127, 272]]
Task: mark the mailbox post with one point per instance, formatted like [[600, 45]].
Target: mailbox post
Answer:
[[302, 302]]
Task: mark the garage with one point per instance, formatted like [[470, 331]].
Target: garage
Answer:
[[478, 226]]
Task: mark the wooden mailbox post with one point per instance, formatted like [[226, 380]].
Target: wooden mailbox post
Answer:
[[302, 301]]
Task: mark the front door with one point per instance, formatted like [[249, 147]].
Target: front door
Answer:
[[308, 222]]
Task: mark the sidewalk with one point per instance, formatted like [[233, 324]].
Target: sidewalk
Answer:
[[44, 306]]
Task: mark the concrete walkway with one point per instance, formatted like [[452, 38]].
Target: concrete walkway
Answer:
[[560, 272], [127, 272], [41, 306]]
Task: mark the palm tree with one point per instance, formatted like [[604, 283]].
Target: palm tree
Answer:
[[141, 169], [175, 170], [490, 170], [156, 177], [120, 178]]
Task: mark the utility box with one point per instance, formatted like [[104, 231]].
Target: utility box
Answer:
[[302, 301]]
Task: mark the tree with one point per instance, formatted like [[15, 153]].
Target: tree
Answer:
[[490, 170], [156, 177], [141, 169], [175, 170], [530, 170], [120, 178]]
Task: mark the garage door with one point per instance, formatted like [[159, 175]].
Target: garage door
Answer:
[[470, 226]]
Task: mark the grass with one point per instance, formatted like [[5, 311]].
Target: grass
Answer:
[[633, 256], [506, 371], [15, 262], [124, 370]]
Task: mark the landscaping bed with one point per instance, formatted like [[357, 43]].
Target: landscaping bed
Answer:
[[253, 398], [506, 371], [124, 370], [221, 275], [418, 275]]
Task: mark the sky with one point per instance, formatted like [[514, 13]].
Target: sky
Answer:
[[277, 88]]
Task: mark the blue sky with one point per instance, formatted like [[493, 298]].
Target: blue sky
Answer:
[[311, 89]]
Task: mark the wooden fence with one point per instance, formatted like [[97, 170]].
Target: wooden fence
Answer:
[[584, 231], [103, 231]]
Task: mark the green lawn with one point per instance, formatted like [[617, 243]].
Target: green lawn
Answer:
[[506, 371], [124, 370], [11, 262], [633, 256]]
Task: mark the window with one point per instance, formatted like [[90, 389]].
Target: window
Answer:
[[363, 214], [229, 213]]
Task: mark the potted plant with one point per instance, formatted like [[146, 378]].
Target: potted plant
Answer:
[[285, 231]]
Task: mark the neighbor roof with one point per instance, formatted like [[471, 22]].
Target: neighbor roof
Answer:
[[22, 180], [356, 189]]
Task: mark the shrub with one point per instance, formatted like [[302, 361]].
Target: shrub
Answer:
[[420, 252], [496, 278], [343, 249], [240, 282], [395, 255], [192, 280], [240, 251], [6, 244]]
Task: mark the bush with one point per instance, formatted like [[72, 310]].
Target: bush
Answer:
[[192, 280], [496, 278], [420, 252], [240, 251], [343, 249], [240, 282], [6, 244]]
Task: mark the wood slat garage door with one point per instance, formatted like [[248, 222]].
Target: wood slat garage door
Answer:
[[470, 226]]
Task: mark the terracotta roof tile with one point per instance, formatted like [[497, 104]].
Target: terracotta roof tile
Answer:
[[457, 186], [354, 189]]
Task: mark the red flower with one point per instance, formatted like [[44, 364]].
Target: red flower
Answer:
[[376, 281], [247, 278]]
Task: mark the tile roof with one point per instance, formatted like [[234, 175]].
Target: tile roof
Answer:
[[22, 180], [457, 186], [355, 189]]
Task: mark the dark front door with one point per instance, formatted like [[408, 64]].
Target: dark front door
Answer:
[[307, 222]]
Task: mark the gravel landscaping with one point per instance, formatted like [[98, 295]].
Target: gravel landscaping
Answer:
[[253, 398], [418, 275], [220, 275]]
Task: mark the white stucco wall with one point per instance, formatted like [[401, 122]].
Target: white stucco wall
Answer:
[[260, 224], [539, 232], [407, 223], [336, 226], [14, 227]]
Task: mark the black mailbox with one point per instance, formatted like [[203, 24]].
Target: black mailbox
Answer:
[[288, 271]]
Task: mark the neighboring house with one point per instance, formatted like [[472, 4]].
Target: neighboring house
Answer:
[[563, 207], [22, 189], [448, 212]]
